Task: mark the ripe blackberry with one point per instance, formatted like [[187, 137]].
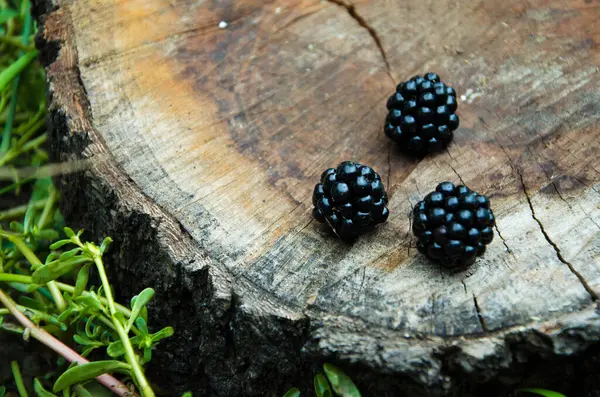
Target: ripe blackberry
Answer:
[[350, 199], [421, 115], [453, 225]]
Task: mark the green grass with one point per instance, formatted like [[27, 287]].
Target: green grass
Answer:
[[45, 266]]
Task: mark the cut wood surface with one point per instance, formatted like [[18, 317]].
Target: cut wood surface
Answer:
[[215, 119]]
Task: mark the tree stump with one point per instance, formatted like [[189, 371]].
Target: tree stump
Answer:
[[208, 123]]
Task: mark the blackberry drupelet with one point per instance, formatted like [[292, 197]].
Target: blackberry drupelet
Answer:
[[453, 225], [351, 199], [421, 116]]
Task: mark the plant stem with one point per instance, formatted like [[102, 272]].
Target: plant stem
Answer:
[[42, 336], [28, 131], [105, 283], [14, 152], [59, 301], [18, 278], [81, 391], [16, 371], [20, 210], [8, 74], [70, 289], [39, 114], [3, 101], [22, 116], [46, 213], [136, 369], [15, 42], [15, 88], [15, 185], [12, 109]]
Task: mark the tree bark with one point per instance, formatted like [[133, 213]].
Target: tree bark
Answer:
[[208, 123]]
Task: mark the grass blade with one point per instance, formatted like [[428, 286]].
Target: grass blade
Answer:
[[322, 388], [341, 383], [84, 372], [138, 304], [40, 391], [292, 393], [542, 392], [8, 74], [16, 371]]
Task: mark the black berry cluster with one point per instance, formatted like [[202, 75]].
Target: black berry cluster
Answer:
[[453, 225], [351, 199], [421, 116]]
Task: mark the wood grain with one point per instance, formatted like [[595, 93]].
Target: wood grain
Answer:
[[225, 131]]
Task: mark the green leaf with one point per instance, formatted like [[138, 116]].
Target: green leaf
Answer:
[[54, 270], [59, 244], [120, 317], [69, 232], [292, 393], [39, 389], [13, 70], [542, 392], [87, 371], [30, 303], [144, 313], [2, 391], [82, 391], [147, 355], [90, 300], [92, 330], [116, 349], [16, 226], [6, 14], [46, 234], [52, 256], [87, 351], [137, 303], [140, 323], [82, 279], [105, 243], [28, 219], [66, 314], [186, 394], [96, 389], [322, 388], [11, 327], [85, 341], [163, 333], [69, 254], [341, 383], [33, 287]]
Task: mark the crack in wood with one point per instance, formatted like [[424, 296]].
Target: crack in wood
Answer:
[[457, 174], [351, 8], [389, 170], [559, 255], [480, 315], [552, 181], [503, 240], [557, 251]]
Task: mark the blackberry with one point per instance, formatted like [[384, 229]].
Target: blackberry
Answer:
[[453, 225], [422, 116], [351, 199]]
